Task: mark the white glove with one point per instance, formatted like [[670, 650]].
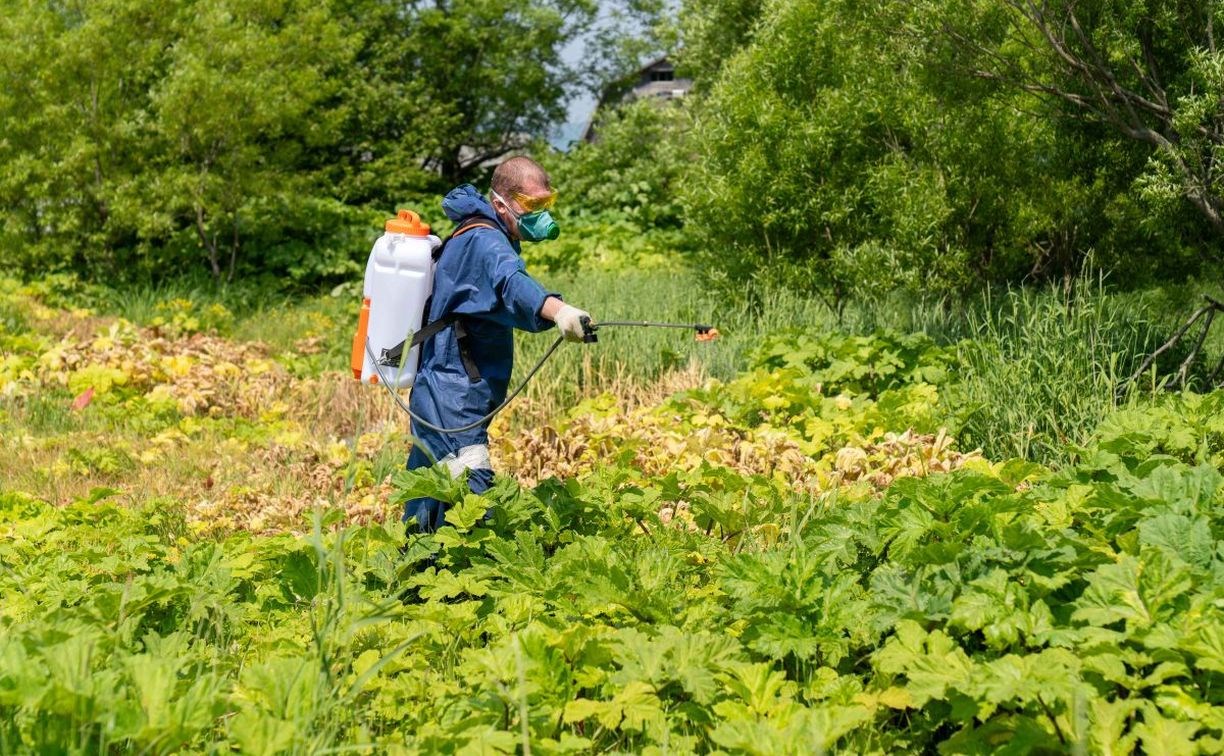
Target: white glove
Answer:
[[569, 322]]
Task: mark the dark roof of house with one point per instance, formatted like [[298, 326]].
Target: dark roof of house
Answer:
[[642, 90]]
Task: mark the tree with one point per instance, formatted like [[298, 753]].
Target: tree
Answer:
[[1151, 71], [239, 100], [635, 168], [74, 83], [449, 85], [712, 31], [859, 147], [142, 138], [136, 135], [830, 158]]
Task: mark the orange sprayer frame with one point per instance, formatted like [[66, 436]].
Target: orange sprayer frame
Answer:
[[359, 339]]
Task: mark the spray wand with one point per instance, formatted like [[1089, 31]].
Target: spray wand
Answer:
[[589, 336]]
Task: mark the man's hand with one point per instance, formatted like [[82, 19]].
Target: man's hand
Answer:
[[569, 322]]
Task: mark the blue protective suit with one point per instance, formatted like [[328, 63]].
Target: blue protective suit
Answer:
[[480, 276]]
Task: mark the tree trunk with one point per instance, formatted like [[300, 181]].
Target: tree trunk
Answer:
[[210, 245], [234, 244], [452, 167]]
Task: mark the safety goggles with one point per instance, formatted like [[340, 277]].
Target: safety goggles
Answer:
[[535, 204]]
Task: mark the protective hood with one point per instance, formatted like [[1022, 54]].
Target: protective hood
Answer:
[[465, 201]]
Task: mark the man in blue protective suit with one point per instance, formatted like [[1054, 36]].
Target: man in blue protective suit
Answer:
[[482, 287]]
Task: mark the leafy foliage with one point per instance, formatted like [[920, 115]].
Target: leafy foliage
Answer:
[[1146, 71], [860, 364], [635, 167], [858, 149], [1003, 604], [620, 205], [140, 140], [791, 560]]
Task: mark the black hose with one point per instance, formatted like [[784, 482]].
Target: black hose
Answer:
[[422, 421], [590, 329]]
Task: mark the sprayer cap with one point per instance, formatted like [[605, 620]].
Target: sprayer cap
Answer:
[[407, 222]]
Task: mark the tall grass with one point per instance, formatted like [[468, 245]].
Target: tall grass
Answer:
[[627, 356], [141, 303], [1041, 368]]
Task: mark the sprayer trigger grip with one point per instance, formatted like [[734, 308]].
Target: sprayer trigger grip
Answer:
[[588, 330]]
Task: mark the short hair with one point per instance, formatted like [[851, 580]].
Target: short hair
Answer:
[[515, 173]]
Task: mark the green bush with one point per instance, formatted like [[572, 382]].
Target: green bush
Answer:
[[855, 150], [860, 364], [634, 167], [608, 241], [146, 141]]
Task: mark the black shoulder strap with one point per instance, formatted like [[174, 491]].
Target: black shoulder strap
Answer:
[[392, 356]]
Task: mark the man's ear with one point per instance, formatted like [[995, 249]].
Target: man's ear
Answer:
[[499, 205]]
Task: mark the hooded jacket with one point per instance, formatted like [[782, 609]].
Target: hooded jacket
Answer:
[[480, 276]]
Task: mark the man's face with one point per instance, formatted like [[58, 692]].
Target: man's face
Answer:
[[532, 197]]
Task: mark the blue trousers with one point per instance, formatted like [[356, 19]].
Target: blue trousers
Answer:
[[431, 513]]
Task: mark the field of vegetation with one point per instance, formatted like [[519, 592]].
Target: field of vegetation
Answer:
[[777, 545], [924, 494]]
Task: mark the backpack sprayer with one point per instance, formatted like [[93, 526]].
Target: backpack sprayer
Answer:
[[396, 292]]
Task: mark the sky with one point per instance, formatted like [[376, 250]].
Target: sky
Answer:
[[579, 108]]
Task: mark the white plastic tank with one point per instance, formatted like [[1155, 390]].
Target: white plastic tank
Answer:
[[398, 281]]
